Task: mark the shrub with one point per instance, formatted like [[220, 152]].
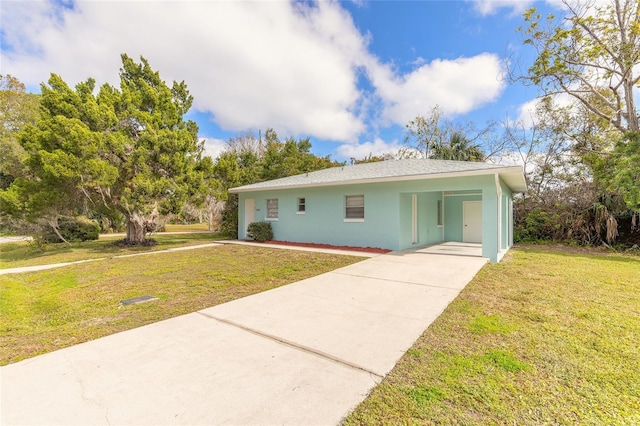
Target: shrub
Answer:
[[229, 221], [538, 225], [78, 228], [260, 231]]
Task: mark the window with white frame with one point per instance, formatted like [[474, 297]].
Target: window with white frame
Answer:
[[354, 207], [272, 209], [302, 205]]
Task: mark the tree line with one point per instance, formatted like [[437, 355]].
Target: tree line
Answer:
[[125, 156]]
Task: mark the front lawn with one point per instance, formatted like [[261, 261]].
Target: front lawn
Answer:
[[544, 337], [26, 253], [48, 310]]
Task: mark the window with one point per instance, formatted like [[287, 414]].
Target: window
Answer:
[[439, 213], [272, 209], [302, 207], [354, 207]]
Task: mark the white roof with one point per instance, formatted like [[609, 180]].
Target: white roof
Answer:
[[392, 170]]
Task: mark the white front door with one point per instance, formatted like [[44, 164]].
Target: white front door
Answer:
[[249, 213], [472, 221]]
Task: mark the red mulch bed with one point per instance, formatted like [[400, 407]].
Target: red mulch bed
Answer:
[[328, 246]]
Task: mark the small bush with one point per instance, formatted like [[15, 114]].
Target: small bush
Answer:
[[260, 231], [229, 217], [538, 225], [78, 228]]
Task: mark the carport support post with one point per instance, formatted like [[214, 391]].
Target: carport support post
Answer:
[[499, 216], [490, 226]]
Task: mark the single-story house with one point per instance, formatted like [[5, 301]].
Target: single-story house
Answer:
[[395, 204]]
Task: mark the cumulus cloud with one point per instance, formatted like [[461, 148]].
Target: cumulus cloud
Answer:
[[213, 146], [528, 112], [518, 7], [456, 86], [489, 7], [292, 66], [362, 150], [250, 64]]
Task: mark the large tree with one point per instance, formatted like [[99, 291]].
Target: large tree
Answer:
[[126, 149], [620, 170], [17, 109], [591, 53], [432, 137], [247, 159], [458, 148]]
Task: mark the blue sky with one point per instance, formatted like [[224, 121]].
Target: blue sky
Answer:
[[349, 75]]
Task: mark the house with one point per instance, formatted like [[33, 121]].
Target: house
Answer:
[[396, 204]]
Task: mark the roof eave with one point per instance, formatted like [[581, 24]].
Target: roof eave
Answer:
[[515, 186]]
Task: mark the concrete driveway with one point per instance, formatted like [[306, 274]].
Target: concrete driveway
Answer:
[[306, 353]]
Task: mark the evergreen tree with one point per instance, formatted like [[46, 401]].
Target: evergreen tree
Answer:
[[128, 150]]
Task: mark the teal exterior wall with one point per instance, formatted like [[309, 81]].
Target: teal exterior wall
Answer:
[[428, 231], [490, 222], [388, 221], [453, 213], [507, 217], [324, 219]]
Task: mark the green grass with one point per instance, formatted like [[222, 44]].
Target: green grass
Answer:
[[24, 253], [52, 309], [543, 337]]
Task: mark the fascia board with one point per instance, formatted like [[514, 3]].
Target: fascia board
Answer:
[[485, 172]]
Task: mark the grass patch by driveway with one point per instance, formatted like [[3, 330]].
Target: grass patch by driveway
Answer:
[[25, 253], [48, 310], [543, 337]]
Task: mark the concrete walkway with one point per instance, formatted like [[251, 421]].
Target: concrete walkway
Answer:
[[306, 353]]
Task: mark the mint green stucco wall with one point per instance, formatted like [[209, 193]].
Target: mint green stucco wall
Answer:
[[490, 222], [453, 214], [388, 213], [428, 231], [507, 217], [323, 220]]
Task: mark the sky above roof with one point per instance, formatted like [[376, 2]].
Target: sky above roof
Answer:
[[348, 75]]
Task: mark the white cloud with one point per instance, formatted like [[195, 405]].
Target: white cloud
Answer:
[[527, 112], [362, 150], [292, 66], [489, 7], [251, 64], [518, 7], [213, 146], [456, 86], [508, 158]]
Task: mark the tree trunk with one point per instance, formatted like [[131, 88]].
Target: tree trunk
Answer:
[[54, 225], [135, 229], [632, 113]]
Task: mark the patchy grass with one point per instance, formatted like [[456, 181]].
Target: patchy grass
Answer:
[[52, 309], [25, 253], [544, 337]]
